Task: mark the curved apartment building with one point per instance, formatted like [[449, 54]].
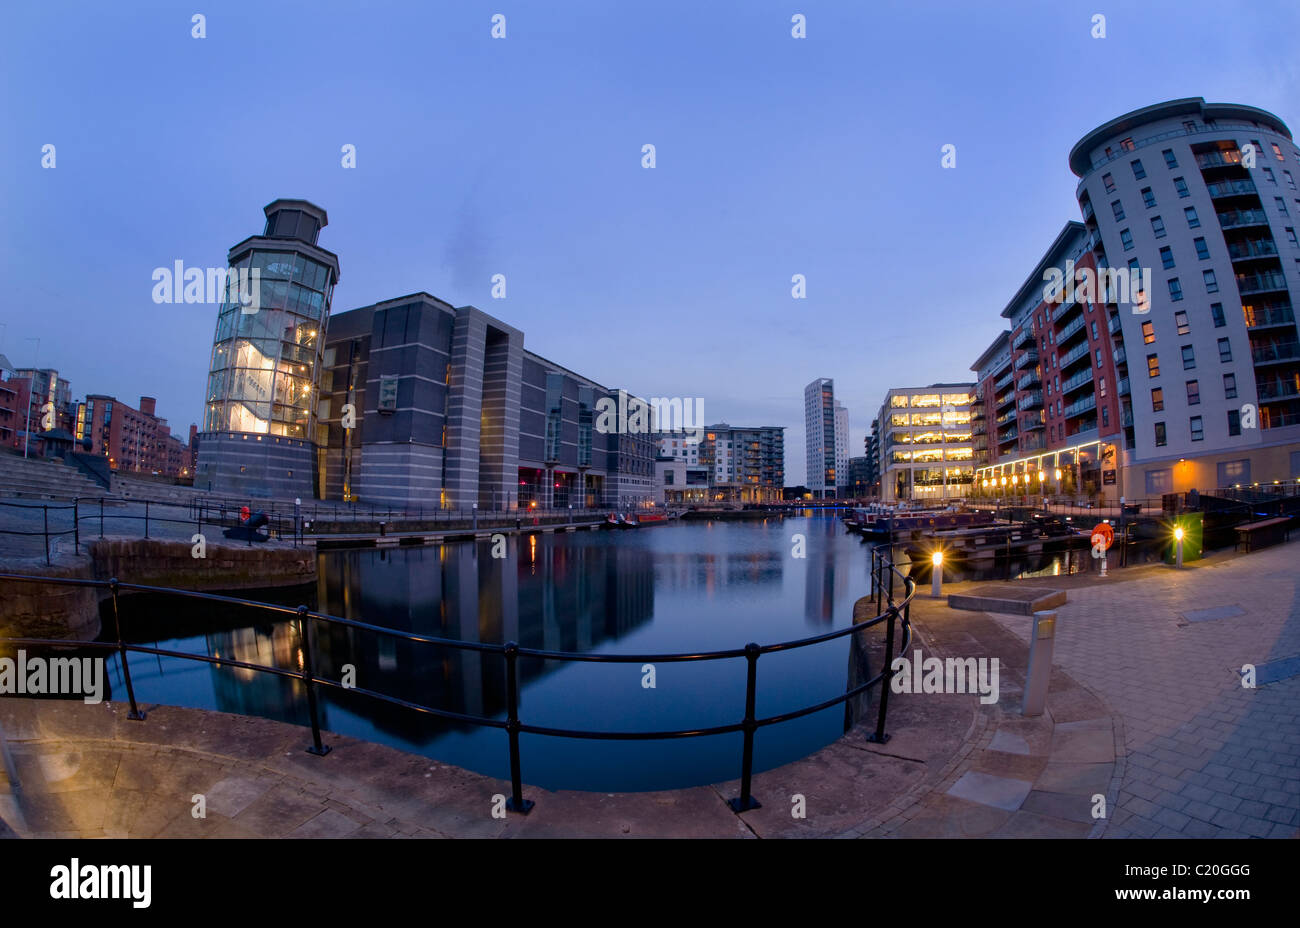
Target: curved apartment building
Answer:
[[1171, 361]]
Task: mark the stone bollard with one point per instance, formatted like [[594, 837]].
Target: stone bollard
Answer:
[[1040, 664]]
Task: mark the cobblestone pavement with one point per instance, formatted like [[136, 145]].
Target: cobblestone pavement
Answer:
[[1203, 756]]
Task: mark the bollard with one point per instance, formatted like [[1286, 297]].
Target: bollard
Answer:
[[1040, 664], [936, 575], [1178, 550]]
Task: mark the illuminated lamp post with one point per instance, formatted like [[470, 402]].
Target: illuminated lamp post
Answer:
[[1178, 546], [936, 575]]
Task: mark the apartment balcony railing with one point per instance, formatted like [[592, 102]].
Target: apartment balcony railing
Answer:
[[1255, 248], [1231, 188], [1278, 390], [1121, 356], [1073, 355], [1066, 308], [1259, 283], [1123, 386], [1078, 380], [1008, 435], [1153, 139], [1114, 325], [1004, 380], [1083, 405], [1263, 316], [1029, 357], [1025, 382], [1030, 400], [1005, 399], [1024, 337], [1006, 417], [1126, 416], [1237, 218], [1032, 425], [1034, 444], [979, 430], [1218, 159], [1283, 351], [1065, 334]]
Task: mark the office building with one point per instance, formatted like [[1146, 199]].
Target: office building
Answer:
[[926, 452]]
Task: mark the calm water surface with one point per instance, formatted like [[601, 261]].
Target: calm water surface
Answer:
[[680, 587]]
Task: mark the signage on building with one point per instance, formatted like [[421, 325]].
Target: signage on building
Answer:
[[1108, 477], [387, 394]]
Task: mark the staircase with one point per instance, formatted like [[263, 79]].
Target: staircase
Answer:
[[36, 478]]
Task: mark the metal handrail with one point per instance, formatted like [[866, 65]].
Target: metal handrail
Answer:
[[888, 610]]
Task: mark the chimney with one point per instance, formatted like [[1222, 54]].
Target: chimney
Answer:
[[147, 405]]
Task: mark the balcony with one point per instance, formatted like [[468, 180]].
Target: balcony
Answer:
[[1081, 379], [1086, 208], [1123, 386], [1278, 390], [979, 430], [1005, 417], [1025, 337], [1026, 359], [1231, 188], [1258, 318], [1009, 435], [1261, 283], [1066, 308], [1032, 425], [1126, 416], [1006, 399], [1240, 218], [1087, 404], [1270, 354], [1034, 444], [1063, 337], [1027, 381], [1121, 356], [1074, 355], [1114, 325], [1218, 159], [1254, 248], [1004, 380], [1032, 400]]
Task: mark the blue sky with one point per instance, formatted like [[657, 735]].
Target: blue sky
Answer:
[[522, 156]]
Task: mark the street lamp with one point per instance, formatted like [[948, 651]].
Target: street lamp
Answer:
[[1178, 550], [936, 575]]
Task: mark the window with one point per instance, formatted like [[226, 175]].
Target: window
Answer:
[[1277, 152], [1290, 181], [1198, 433], [1127, 144], [1189, 126], [1148, 197], [1290, 236], [1160, 434], [1094, 330], [1234, 422], [1133, 264], [1211, 282], [1234, 473], [1153, 366], [1101, 386], [1118, 209], [1202, 249], [1180, 318], [1159, 481], [1189, 358], [1175, 289], [1193, 393], [1229, 386], [1109, 182], [1099, 357], [1268, 174], [1105, 416], [1126, 238], [1148, 333], [1180, 185], [1167, 257], [1158, 226], [1138, 171], [1157, 400], [1225, 350], [1192, 221], [1169, 158], [1216, 312], [1281, 205]]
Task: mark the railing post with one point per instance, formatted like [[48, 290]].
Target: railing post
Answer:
[[45, 514], [101, 517], [304, 635], [76, 525], [135, 714], [745, 801], [516, 802], [146, 518], [878, 736]]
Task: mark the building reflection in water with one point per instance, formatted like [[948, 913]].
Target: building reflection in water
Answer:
[[555, 597]]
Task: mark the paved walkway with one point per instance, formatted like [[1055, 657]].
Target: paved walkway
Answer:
[[1203, 756]]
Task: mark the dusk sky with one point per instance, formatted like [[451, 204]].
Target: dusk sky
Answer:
[[478, 156]]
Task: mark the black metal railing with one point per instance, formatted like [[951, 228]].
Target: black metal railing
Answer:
[[890, 611]]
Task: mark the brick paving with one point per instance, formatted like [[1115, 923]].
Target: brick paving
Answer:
[[1203, 755]]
